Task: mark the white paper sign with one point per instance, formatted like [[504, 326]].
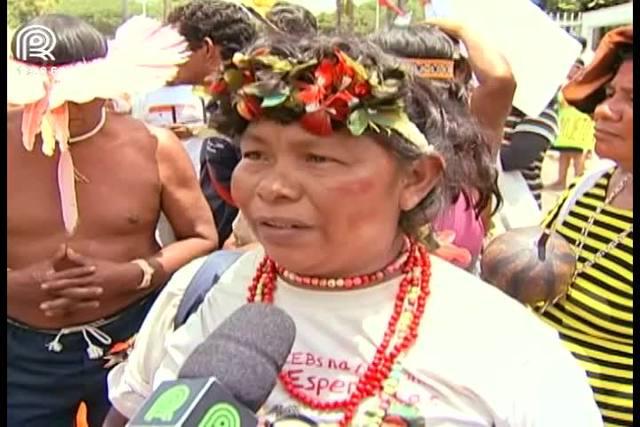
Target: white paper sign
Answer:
[[539, 50]]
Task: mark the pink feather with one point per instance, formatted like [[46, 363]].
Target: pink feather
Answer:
[[67, 189], [60, 117], [32, 115]]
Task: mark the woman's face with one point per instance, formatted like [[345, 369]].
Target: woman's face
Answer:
[[324, 206], [614, 119]]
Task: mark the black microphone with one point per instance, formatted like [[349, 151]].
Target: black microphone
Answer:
[[228, 377]]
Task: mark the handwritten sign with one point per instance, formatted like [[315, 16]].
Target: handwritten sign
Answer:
[[539, 50]]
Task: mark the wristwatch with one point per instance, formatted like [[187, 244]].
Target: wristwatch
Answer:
[[147, 270]]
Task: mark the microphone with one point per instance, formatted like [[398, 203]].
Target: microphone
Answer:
[[228, 377]]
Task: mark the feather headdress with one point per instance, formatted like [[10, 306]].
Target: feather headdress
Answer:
[[143, 50]]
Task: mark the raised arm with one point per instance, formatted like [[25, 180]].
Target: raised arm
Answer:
[[491, 100]]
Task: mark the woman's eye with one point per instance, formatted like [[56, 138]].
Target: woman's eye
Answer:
[[252, 155], [314, 158]]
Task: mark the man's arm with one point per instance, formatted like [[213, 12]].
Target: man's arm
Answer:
[[184, 206]]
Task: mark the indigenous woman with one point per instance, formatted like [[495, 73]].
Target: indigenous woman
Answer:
[[596, 319], [343, 158]]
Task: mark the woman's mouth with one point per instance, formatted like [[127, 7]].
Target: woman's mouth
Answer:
[[601, 134], [281, 223], [280, 231]]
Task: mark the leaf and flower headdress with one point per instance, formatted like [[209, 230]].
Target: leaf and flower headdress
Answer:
[[323, 93], [142, 57]]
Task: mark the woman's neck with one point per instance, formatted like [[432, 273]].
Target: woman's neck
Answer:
[[385, 267], [624, 200]]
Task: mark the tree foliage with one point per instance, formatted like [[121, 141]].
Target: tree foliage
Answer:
[[362, 19], [579, 5], [107, 15], [22, 11]]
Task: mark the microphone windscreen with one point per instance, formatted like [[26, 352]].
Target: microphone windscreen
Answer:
[[245, 353]]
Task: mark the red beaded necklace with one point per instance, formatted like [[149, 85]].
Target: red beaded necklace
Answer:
[[349, 282], [401, 333]]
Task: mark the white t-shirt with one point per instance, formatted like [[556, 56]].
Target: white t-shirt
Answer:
[[172, 105], [130, 381], [481, 358]]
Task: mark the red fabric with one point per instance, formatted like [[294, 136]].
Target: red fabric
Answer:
[[389, 5], [224, 193]]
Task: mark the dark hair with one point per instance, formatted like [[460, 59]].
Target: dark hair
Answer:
[[624, 53], [429, 42], [447, 125], [75, 40], [293, 19], [582, 41], [227, 25], [580, 62]]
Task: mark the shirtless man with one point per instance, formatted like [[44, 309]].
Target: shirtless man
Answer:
[[73, 295]]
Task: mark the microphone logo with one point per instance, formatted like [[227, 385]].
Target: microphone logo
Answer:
[[168, 403], [221, 415]]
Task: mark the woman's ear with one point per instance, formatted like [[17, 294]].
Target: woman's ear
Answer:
[[420, 179]]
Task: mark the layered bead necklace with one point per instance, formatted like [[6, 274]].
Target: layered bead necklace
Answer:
[[587, 228], [383, 373]]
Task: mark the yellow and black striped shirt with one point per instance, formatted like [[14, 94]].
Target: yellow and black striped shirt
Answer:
[[595, 321]]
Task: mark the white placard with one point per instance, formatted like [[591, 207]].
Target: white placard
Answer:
[[539, 50]]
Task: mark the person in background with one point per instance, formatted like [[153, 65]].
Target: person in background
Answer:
[[292, 19], [214, 30], [526, 141], [575, 136], [595, 319], [83, 264], [433, 51]]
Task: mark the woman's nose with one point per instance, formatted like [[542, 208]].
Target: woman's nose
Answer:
[[605, 111], [276, 186]]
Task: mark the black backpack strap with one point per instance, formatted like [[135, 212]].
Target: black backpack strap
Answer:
[[205, 278]]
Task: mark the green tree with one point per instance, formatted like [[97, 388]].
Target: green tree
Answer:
[[350, 12], [22, 11], [107, 15], [339, 13], [364, 16], [579, 5]]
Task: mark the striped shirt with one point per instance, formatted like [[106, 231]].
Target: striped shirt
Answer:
[[546, 126], [596, 319]]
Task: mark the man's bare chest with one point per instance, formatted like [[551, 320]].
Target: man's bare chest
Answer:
[[116, 192]]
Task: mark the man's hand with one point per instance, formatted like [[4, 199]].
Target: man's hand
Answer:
[[25, 282], [181, 131], [72, 292]]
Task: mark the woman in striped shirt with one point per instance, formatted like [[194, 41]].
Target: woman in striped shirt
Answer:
[[595, 319]]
